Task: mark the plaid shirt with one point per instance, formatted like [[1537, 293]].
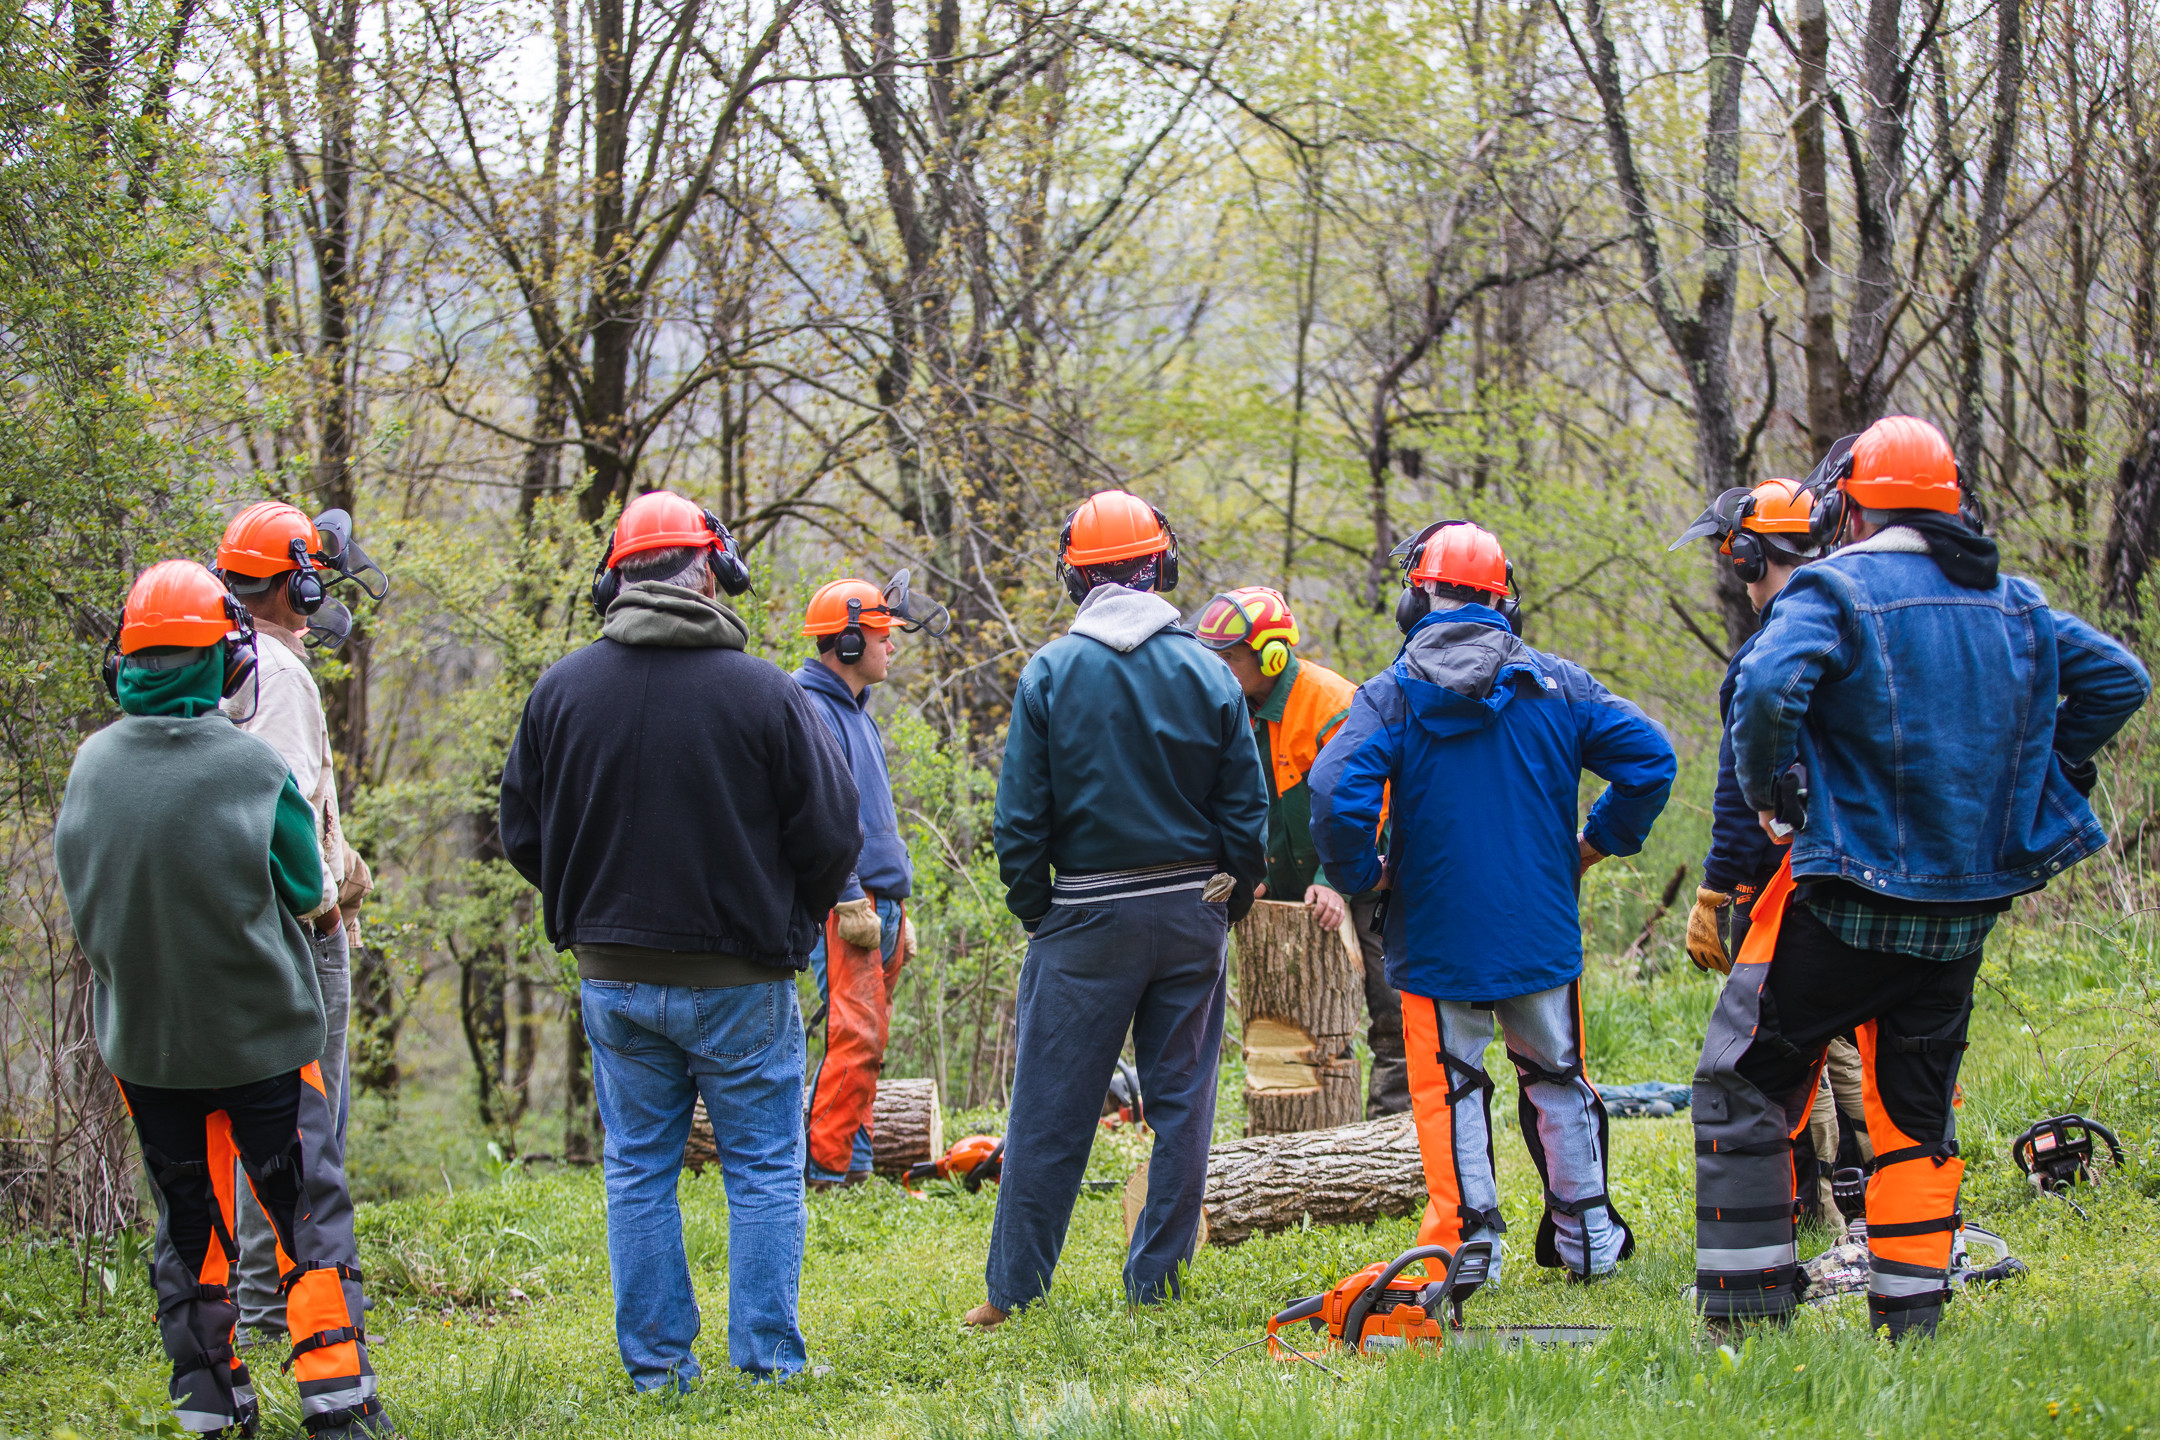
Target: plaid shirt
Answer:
[[1928, 937]]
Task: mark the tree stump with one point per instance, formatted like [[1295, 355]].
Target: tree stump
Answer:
[[1351, 1175], [1301, 992], [907, 1127]]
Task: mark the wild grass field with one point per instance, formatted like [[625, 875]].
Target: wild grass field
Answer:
[[494, 1315]]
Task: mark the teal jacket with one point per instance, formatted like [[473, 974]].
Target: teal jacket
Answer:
[[186, 855], [1129, 747]]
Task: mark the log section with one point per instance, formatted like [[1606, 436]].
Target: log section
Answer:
[[1351, 1175], [907, 1127], [1301, 994]]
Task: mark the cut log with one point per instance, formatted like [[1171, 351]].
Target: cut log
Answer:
[[1351, 1175], [1136, 1201], [1301, 991], [907, 1127]]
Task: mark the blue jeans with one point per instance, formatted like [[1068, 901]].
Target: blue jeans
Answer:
[[655, 1049], [1153, 963], [888, 914]]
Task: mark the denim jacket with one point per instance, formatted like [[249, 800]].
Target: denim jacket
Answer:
[[1927, 716]]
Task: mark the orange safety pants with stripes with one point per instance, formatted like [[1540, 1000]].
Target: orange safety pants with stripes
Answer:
[[859, 987], [1794, 986], [1563, 1123], [278, 1130]]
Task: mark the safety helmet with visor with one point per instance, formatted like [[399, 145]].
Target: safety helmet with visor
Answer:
[[1251, 615], [1901, 462], [271, 542], [844, 609], [1756, 528]]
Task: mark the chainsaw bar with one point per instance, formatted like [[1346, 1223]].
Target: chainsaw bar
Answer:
[[1511, 1337]]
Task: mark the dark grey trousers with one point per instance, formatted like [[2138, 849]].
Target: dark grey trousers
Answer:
[[1153, 964]]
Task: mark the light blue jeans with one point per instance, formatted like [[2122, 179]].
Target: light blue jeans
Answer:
[[888, 914], [655, 1049]]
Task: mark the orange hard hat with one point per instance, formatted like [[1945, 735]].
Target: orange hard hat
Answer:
[[179, 603], [1114, 526], [1902, 463], [1778, 507], [828, 610], [1460, 553], [260, 541], [660, 520], [1251, 615]]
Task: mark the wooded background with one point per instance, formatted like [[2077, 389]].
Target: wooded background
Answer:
[[895, 285]]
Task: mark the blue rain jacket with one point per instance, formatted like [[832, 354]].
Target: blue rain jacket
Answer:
[[1483, 741], [884, 868]]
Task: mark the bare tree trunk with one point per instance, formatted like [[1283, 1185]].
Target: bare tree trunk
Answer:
[[1994, 183], [2134, 531], [1301, 993], [1826, 377]]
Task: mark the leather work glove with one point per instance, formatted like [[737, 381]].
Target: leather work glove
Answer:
[[858, 924], [907, 935], [1706, 930]]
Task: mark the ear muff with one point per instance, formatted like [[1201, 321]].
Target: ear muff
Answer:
[[606, 580], [240, 656], [304, 588], [849, 646], [727, 562], [1827, 521], [1169, 559], [1274, 658], [109, 666], [1748, 557], [1411, 606]]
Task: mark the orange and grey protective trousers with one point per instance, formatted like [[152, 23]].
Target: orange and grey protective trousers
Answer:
[[859, 987], [277, 1128], [1794, 987], [1563, 1124]]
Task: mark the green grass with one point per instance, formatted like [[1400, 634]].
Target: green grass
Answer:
[[497, 1321]]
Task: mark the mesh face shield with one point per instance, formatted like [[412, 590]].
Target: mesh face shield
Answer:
[[914, 612]]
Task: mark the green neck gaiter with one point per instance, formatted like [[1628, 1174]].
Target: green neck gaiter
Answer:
[[187, 692]]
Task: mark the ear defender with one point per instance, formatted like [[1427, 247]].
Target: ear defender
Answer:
[[240, 657], [606, 582], [1274, 658], [1411, 606], [851, 644], [304, 588], [1747, 555], [727, 563]]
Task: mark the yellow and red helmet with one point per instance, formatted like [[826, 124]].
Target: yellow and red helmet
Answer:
[[1251, 615], [1902, 463], [177, 603], [262, 540], [1456, 552], [828, 610]]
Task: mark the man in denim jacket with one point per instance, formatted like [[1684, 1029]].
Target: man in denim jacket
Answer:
[[1942, 722]]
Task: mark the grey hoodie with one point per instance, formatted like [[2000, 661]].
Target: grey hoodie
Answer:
[[673, 617], [1122, 619]]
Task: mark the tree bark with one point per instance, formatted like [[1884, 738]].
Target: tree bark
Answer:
[[1994, 184], [907, 1125], [1300, 991], [1350, 1175]]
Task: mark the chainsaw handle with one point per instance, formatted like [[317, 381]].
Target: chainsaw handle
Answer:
[[1353, 1325], [992, 1166], [1303, 1309]]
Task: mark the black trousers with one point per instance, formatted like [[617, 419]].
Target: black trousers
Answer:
[[1762, 1059], [280, 1132]]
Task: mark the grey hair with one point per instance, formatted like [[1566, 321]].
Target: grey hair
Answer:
[[684, 565], [1453, 597]]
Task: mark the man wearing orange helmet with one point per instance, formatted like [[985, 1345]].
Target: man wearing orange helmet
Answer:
[[1764, 535], [272, 558], [1476, 744], [1131, 829], [1297, 706], [867, 937], [189, 860], [689, 822], [1920, 732]]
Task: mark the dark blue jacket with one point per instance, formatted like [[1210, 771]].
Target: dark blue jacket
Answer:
[[883, 868], [1129, 747], [1740, 854], [1927, 716], [1484, 741]]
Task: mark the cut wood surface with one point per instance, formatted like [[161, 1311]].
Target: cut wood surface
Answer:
[[1352, 1174], [907, 1127], [1301, 994], [1136, 1201]]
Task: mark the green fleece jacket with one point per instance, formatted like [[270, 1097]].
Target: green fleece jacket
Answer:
[[187, 854]]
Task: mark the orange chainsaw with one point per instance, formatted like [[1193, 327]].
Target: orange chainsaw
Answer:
[[1382, 1308], [970, 1161]]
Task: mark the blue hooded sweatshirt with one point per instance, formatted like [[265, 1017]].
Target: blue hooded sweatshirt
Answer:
[[1484, 741], [883, 869]]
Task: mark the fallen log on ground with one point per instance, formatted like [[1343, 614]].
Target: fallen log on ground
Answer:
[[907, 1127], [1350, 1175], [1301, 995]]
